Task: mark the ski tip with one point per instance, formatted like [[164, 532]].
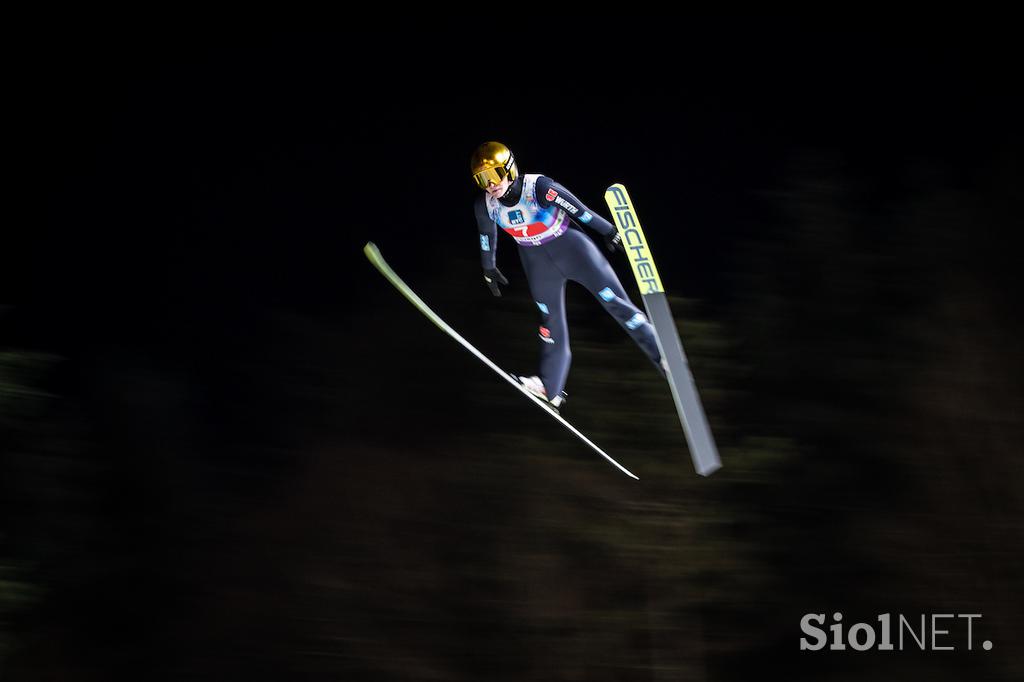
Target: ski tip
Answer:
[[373, 255]]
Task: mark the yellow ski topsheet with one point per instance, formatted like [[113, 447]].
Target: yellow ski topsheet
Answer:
[[637, 250]]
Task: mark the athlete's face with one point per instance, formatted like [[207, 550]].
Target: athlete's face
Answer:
[[498, 191]]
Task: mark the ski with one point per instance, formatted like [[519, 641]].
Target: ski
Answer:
[[680, 379], [373, 253]]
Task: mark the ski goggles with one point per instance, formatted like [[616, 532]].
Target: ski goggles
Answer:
[[485, 177]]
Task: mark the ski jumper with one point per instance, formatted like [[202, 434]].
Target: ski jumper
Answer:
[[538, 213]]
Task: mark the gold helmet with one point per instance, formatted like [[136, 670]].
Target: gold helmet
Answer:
[[493, 162]]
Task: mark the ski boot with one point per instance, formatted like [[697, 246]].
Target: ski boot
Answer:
[[536, 387]]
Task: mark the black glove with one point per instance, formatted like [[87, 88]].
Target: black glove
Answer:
[[614, 242], [493, 278]]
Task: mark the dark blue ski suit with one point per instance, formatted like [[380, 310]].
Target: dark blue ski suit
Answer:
[[538, 213]]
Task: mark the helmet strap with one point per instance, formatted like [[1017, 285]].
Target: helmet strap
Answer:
[[513, 192]]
